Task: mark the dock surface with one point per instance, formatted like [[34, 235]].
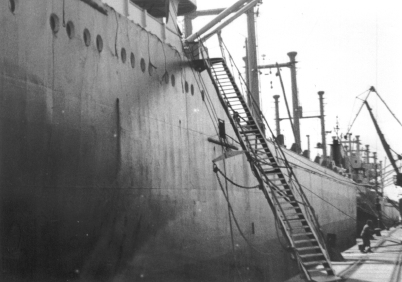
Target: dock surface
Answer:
[[384, 264]]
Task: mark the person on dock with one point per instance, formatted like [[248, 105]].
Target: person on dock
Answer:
[[366, 234]]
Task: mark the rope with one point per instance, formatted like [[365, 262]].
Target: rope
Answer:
[[235, 219], [216, 169]]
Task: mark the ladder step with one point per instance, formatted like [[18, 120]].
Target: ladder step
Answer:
[[313, 270], [248, 124], [250, 131], [310, 263], [302, 234], [295, 214], [271, 171], [288, 208], [290, 202], [235, 103], [302, 228], [295, 219], [281, 185], [312, 255], [284, 196], [305, 241], [308, 248], [276, 179]]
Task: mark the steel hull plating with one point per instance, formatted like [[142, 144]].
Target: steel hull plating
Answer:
[[105, 168]]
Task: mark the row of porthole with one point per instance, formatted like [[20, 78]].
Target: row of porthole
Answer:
[[55, 26]]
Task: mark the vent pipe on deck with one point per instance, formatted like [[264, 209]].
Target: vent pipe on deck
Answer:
[[278, 124], [279, 137], [358, 146], [323, 138]]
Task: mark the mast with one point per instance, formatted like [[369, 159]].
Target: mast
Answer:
[[295, 98], [252, 64]]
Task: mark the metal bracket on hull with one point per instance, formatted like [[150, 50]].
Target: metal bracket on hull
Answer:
[[227, 155], [226, 145]]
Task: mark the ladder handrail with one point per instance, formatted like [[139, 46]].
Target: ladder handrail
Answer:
[[307, 210], [229, 91], [251, 159], [266, 194], [291, 173]]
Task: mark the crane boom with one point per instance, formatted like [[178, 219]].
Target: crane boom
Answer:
[[385, 144]]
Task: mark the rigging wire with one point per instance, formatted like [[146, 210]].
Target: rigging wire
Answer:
[[375, 91], [286, 100], [361, 107]]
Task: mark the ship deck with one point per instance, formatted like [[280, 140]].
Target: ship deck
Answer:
[[384, 264]]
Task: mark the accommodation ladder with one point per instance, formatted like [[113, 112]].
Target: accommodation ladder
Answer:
[[276, 178]]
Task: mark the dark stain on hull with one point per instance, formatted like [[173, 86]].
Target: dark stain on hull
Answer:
[[118, 138]]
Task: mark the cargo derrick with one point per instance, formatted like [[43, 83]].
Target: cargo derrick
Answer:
[[387, 150], [386, 147]]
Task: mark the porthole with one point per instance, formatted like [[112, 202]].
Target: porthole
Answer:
[[87, 37], [143, 67], [173, 80], [70, 29], [99, 43], [192, 89], [203, 95], [186, 86], [132, 60], [54, 23], [123, 55], [11, 5]]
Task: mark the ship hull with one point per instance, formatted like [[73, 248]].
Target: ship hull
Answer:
[[105, 168]]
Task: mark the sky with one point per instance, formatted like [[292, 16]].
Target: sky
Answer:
[[343, 47]]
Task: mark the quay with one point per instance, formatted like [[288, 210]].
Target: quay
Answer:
[[383, 265]]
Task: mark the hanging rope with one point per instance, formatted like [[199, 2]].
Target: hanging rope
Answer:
[[234, 217], [217, 170]]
